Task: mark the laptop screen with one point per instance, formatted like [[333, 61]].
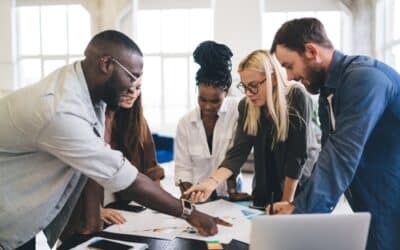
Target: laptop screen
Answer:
[[310, 231]]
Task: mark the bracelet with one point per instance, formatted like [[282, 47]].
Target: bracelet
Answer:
[[212, 178]]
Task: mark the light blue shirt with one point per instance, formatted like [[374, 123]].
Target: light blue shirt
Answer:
[[51, 134]]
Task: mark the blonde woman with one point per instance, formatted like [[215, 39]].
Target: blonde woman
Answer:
[[275, 119]]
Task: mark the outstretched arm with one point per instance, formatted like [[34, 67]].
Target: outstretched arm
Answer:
[[202, 191], [147, 193]]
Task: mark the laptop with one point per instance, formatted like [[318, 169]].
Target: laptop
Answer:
[[310, 231]]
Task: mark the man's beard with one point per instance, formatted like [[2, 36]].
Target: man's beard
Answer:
[[315, 77], [112, 93]]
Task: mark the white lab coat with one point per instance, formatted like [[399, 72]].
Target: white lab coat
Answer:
[[193, 161]]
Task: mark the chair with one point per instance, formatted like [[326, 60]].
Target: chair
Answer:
[[164, 148]]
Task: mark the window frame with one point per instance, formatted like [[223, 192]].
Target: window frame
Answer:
[[191, 98], [384, 27], [287, 13], [66, 57]]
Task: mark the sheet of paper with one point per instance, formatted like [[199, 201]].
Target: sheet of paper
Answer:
[[239, 231], [223, 208], [136, 246], [153, 224], [238, 215], [150, 224]]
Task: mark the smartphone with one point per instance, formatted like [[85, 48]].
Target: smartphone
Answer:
[[126, 207], [108, 244]]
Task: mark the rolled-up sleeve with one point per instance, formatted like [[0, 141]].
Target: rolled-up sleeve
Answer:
[[72, 139]]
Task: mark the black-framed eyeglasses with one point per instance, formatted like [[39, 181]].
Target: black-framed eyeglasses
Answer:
[[252, 87], [134, 78]]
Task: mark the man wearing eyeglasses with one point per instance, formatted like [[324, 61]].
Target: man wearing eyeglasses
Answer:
[[51, 138]]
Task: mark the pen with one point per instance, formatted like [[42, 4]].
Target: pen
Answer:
[[271, 206], [182, 187], [96, 132]]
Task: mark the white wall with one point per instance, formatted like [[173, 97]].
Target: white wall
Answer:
[[301, 5], [364, 26], [239, 26], [7, 45]]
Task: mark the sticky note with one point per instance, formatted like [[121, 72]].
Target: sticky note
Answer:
[[214, 245]]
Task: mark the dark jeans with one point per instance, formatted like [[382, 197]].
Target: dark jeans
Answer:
[[30, 245]]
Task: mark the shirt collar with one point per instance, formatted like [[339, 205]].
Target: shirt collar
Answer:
[[196, 116], [96, 108], [82, 82], [333, 74]]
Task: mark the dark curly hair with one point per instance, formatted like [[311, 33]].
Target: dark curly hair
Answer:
[[215, 64]]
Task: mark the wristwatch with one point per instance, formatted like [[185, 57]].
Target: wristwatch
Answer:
[[187, 208]]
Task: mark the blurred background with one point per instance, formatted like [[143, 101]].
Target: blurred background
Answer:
[[39, 36]]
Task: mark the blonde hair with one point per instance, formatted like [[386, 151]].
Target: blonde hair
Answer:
[[277, 108]]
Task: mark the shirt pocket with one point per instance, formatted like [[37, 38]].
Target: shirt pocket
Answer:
[[201, 162], [197, 155]]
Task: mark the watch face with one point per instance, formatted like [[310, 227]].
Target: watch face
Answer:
[[187, 204]]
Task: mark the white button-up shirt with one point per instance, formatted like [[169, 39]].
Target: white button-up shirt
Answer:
[[193, 161], [50, 134]]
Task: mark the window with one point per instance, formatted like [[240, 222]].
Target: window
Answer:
[[167, 38], [49, 36], [388, 19], [331, 20]]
